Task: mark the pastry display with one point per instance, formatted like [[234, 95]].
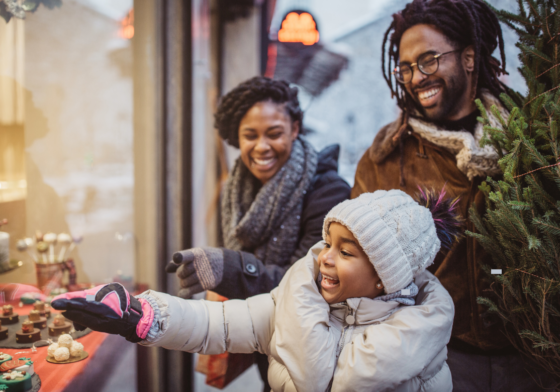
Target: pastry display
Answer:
[[66, 350], [59, 326], [35, 329], [16, 375], [8, 315], [28, 333], [3, 331], [38, 321]]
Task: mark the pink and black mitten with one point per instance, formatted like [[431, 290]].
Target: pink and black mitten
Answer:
[[107, 308]]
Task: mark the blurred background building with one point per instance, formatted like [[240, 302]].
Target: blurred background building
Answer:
[[106, 113]]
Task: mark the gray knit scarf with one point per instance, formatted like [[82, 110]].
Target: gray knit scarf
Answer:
[[266, 221]]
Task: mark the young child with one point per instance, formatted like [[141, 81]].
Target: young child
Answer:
[[358, 313]]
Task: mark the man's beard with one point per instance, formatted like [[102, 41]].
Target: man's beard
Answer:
[[451, 93]]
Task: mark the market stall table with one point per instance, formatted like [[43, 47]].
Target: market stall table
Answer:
[[55, 377]]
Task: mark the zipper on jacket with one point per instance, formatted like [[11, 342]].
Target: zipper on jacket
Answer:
[[343, 335], [340, 345]]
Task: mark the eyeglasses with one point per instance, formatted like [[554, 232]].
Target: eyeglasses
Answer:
[[428, 64]]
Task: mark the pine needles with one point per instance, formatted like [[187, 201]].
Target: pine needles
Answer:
[[521, 226]]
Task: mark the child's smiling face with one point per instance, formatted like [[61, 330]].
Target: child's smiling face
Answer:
[[346, 269]]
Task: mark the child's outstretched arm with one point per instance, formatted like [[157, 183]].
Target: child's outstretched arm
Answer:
[[235, 326], [158, 319]]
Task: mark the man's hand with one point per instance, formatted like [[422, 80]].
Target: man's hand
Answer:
[[198, 269], [107, 308]]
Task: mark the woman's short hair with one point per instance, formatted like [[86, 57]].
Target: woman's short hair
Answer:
[[238, 101]]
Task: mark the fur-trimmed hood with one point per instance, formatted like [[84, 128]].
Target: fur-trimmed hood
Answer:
[[472, 159]]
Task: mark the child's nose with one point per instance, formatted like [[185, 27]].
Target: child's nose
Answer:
[[327, 258]]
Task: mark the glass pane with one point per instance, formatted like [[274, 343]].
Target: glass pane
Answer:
[[66, 137]]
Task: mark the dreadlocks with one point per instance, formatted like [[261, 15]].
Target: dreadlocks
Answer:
[[235, 104], [464, 23]]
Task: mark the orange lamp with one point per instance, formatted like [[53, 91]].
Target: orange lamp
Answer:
[[299, 28]]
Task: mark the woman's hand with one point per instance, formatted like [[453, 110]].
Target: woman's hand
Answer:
[[107, 308], [198, 269]]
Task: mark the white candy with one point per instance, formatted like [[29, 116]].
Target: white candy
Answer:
[[76, 349], [61, 354], [50, 238], [65, 340], [64, 238], [52, 348]]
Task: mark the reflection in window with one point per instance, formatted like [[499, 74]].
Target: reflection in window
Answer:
[[13, 185]]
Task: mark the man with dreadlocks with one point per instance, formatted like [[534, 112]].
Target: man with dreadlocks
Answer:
[[438, 61]]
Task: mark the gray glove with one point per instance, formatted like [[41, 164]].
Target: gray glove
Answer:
[[198, 269]]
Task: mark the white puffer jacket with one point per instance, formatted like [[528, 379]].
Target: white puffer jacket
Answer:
[[311, 346]]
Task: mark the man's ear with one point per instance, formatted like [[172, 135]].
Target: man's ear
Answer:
[[468, 58]]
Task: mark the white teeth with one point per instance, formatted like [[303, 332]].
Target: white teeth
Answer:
[[329, 278], [263, 162], [428, 94]]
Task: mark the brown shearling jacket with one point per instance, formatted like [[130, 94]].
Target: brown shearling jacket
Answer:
[[428, 165]]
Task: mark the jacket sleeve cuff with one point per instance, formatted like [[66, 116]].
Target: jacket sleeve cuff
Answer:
[[178, 324], [154, 328]]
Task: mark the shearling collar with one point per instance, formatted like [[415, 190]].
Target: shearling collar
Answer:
[[472, 159]]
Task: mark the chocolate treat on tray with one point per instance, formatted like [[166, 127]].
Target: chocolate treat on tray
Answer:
[[8, 315], [28, 333], [16, 375], [35, 317], [3, 332], [39, 306], [27, 326], [59, 326], [43, 309]]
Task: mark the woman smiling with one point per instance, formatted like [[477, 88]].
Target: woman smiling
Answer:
[[275, 199], [274, 202]]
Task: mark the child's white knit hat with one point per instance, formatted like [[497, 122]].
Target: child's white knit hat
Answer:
[[396, 233]]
